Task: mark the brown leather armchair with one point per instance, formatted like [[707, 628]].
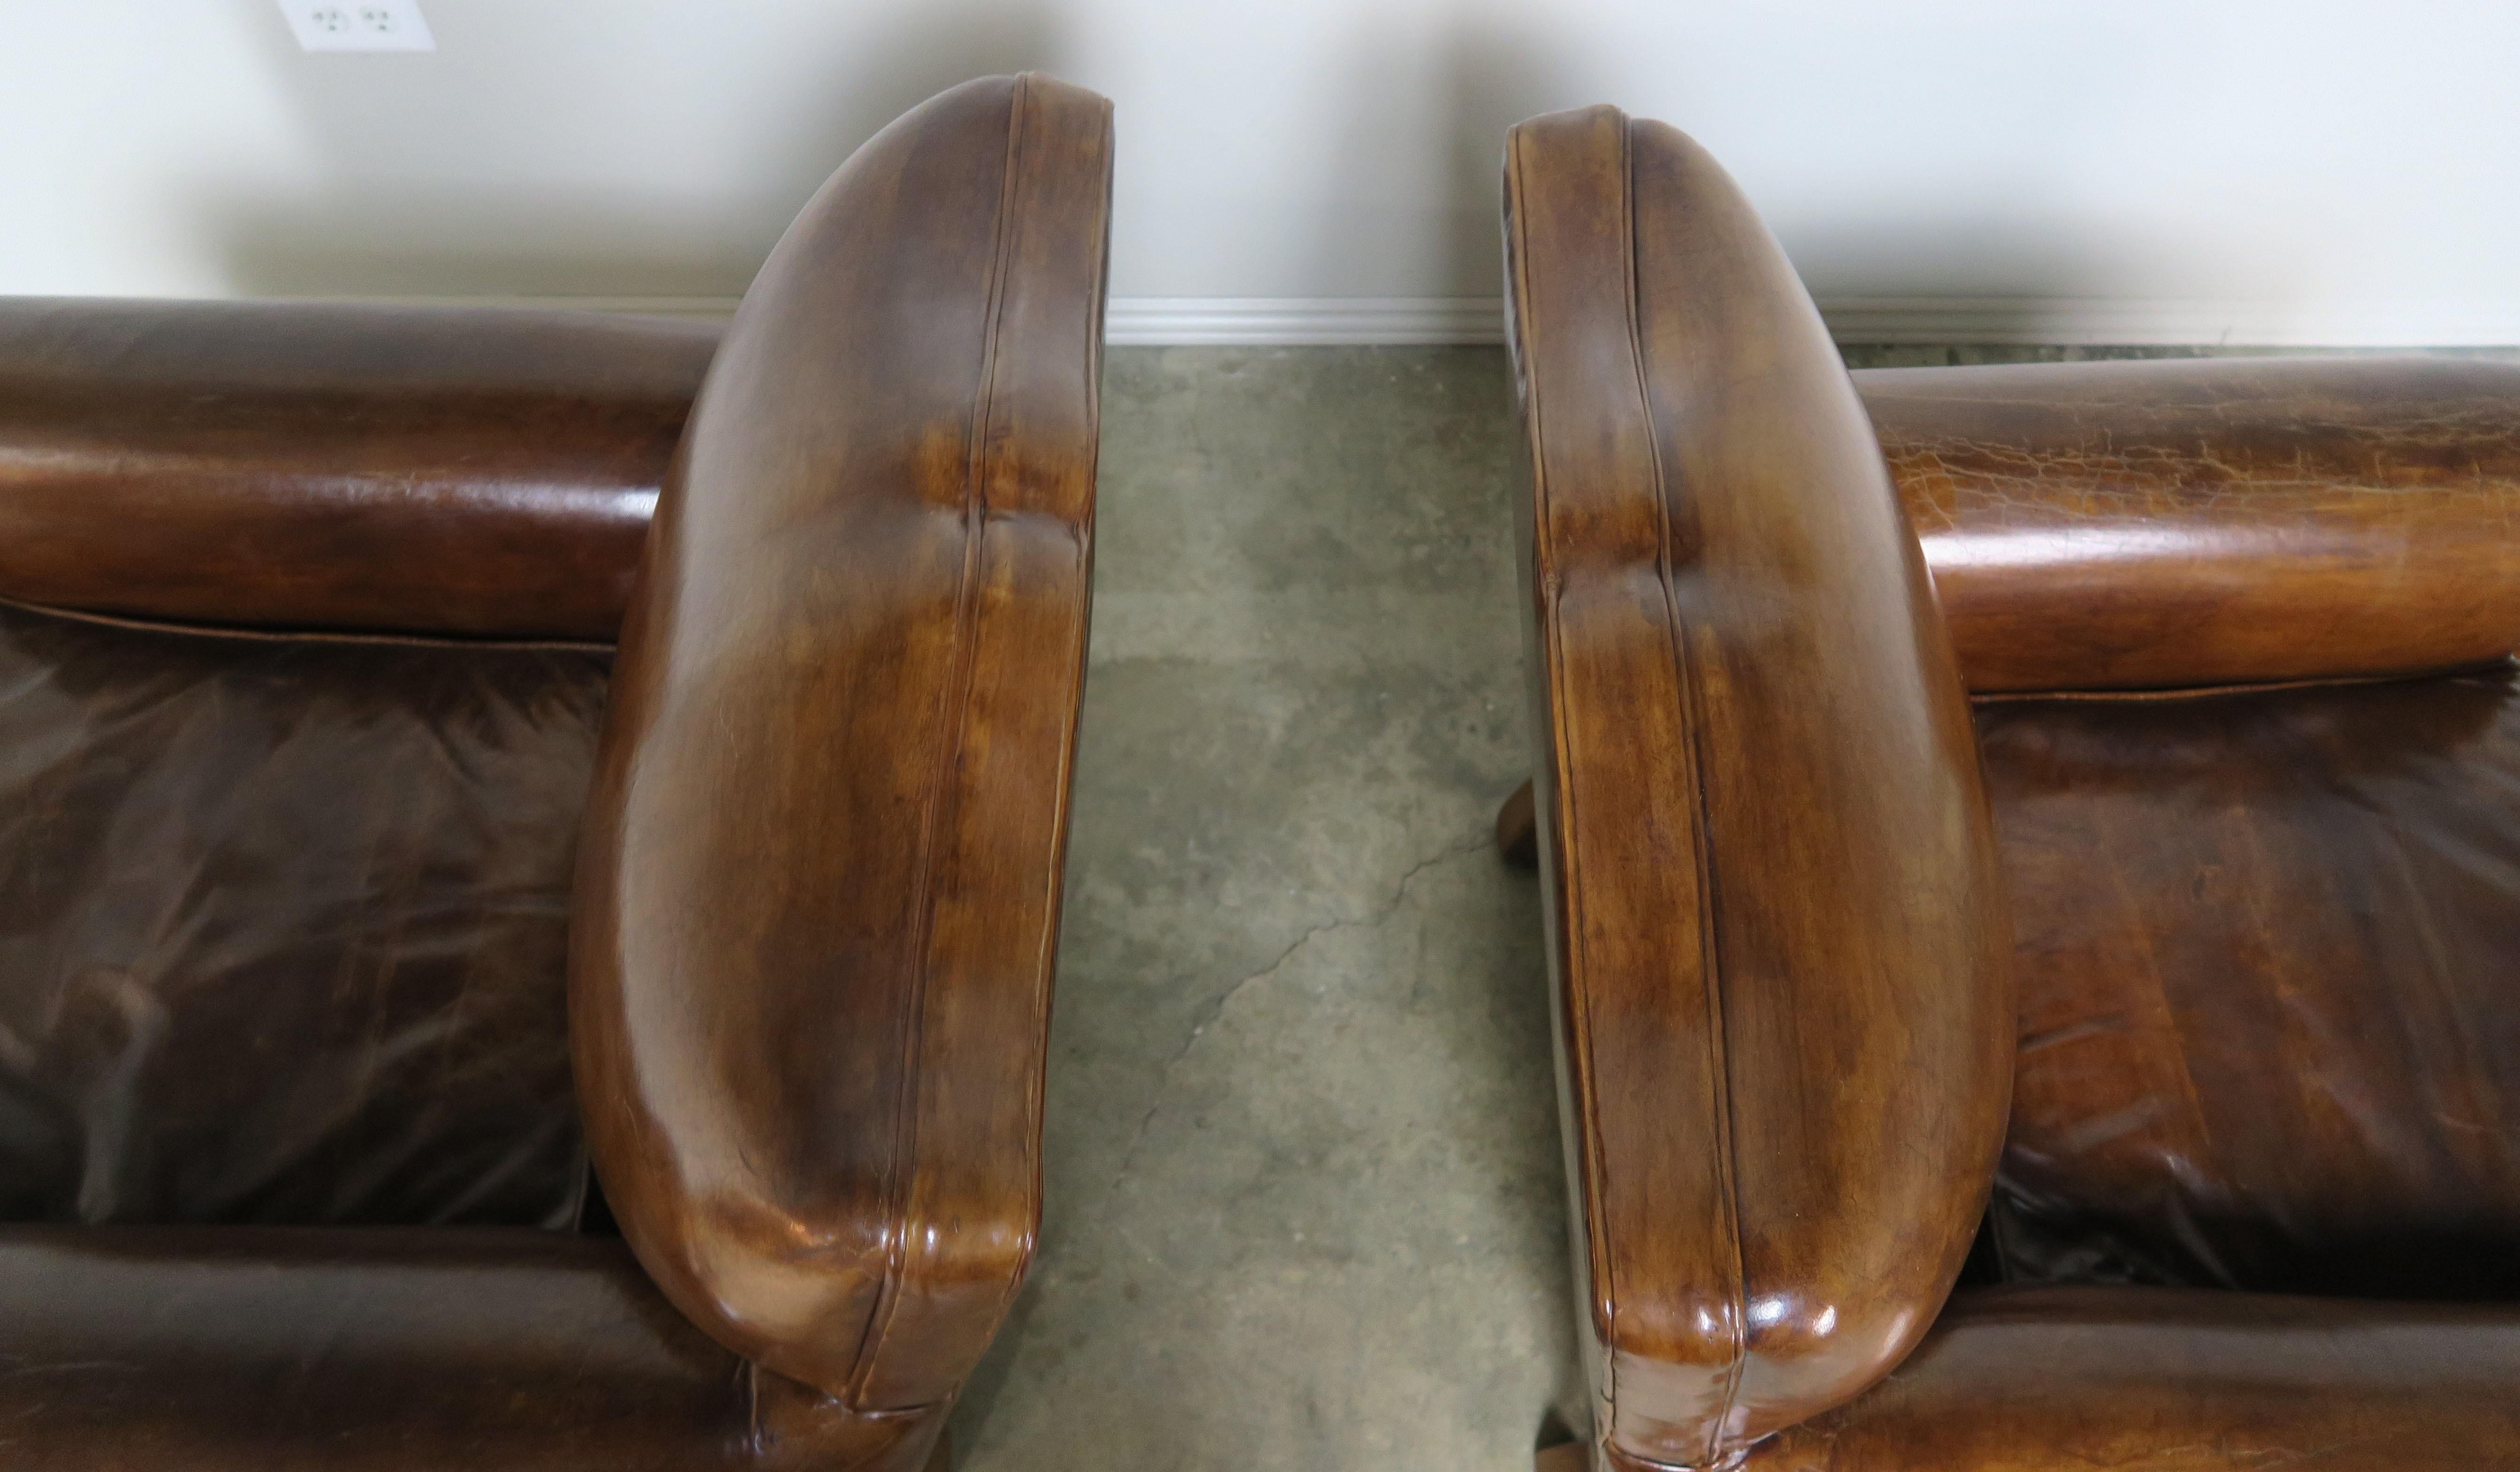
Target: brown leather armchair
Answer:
[[357, 890], [2049, 829]]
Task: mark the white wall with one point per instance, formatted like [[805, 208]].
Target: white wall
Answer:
[[2261, 170]]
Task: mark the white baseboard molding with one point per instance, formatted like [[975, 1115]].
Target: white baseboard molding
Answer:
[[2069, 321], [1262, 320], [2093, 321]]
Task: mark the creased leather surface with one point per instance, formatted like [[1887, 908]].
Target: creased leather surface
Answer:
[[283, 925], [2269, 971], [2166, 523]]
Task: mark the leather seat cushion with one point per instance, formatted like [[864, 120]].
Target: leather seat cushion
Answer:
[[2269, 950], [2165, 1380], [283, 924], [280, 1348]]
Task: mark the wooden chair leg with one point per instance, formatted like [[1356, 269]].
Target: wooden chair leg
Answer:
[[1518, 830]]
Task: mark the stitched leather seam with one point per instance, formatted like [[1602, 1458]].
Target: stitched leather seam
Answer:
[[757, 1438], [1579, 1014], [304, 636], [1045, 959], [1692, 711], [2242, 686], [953, 703]]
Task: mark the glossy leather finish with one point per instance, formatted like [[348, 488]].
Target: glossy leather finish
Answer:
[[284, 925], [283, 936], [280, 464], [2149, 1380], [2268, 949], [2268, 921], [1781, 957], [2124, 525], [820, 887]]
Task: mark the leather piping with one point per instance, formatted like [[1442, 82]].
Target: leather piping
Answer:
[[2245, 687], [1579, 1037], [1056, 879], [952, 704], [1720, 1084], [1692, 698], [302, 635]]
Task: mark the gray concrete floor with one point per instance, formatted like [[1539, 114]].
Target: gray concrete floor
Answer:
[[1304, 1207], [1303, 1197]]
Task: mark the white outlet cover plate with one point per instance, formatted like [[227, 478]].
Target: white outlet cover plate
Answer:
[[358, 25]]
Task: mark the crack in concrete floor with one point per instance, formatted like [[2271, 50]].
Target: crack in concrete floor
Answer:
[[1216, 1006], [1302, 1199]]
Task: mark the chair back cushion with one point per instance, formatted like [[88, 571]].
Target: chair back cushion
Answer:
[[2270, 968], [283, 923]]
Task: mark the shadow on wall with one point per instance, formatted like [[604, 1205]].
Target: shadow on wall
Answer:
[[1414, 193], [1423, 148], [1497, 77], [381, 224], [2034, 275]]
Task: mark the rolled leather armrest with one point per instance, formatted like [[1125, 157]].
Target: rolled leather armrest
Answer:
[[1785, 1016], [819, 881], [423, 469], [2138, 525]]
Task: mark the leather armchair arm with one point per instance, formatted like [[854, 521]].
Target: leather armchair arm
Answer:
[[819, 881], [2128, 526], [423, 469], [1785, 1018]]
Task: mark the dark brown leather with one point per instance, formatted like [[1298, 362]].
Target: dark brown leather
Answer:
[[294, 1350], [2267, 932], [296, 899], [283, 925], [2149, 1380], [439, 471], [820, 889], [2269, 965], [2123, 526], [1775, 930]]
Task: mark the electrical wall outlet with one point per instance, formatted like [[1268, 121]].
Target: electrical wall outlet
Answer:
[[358, 25]]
